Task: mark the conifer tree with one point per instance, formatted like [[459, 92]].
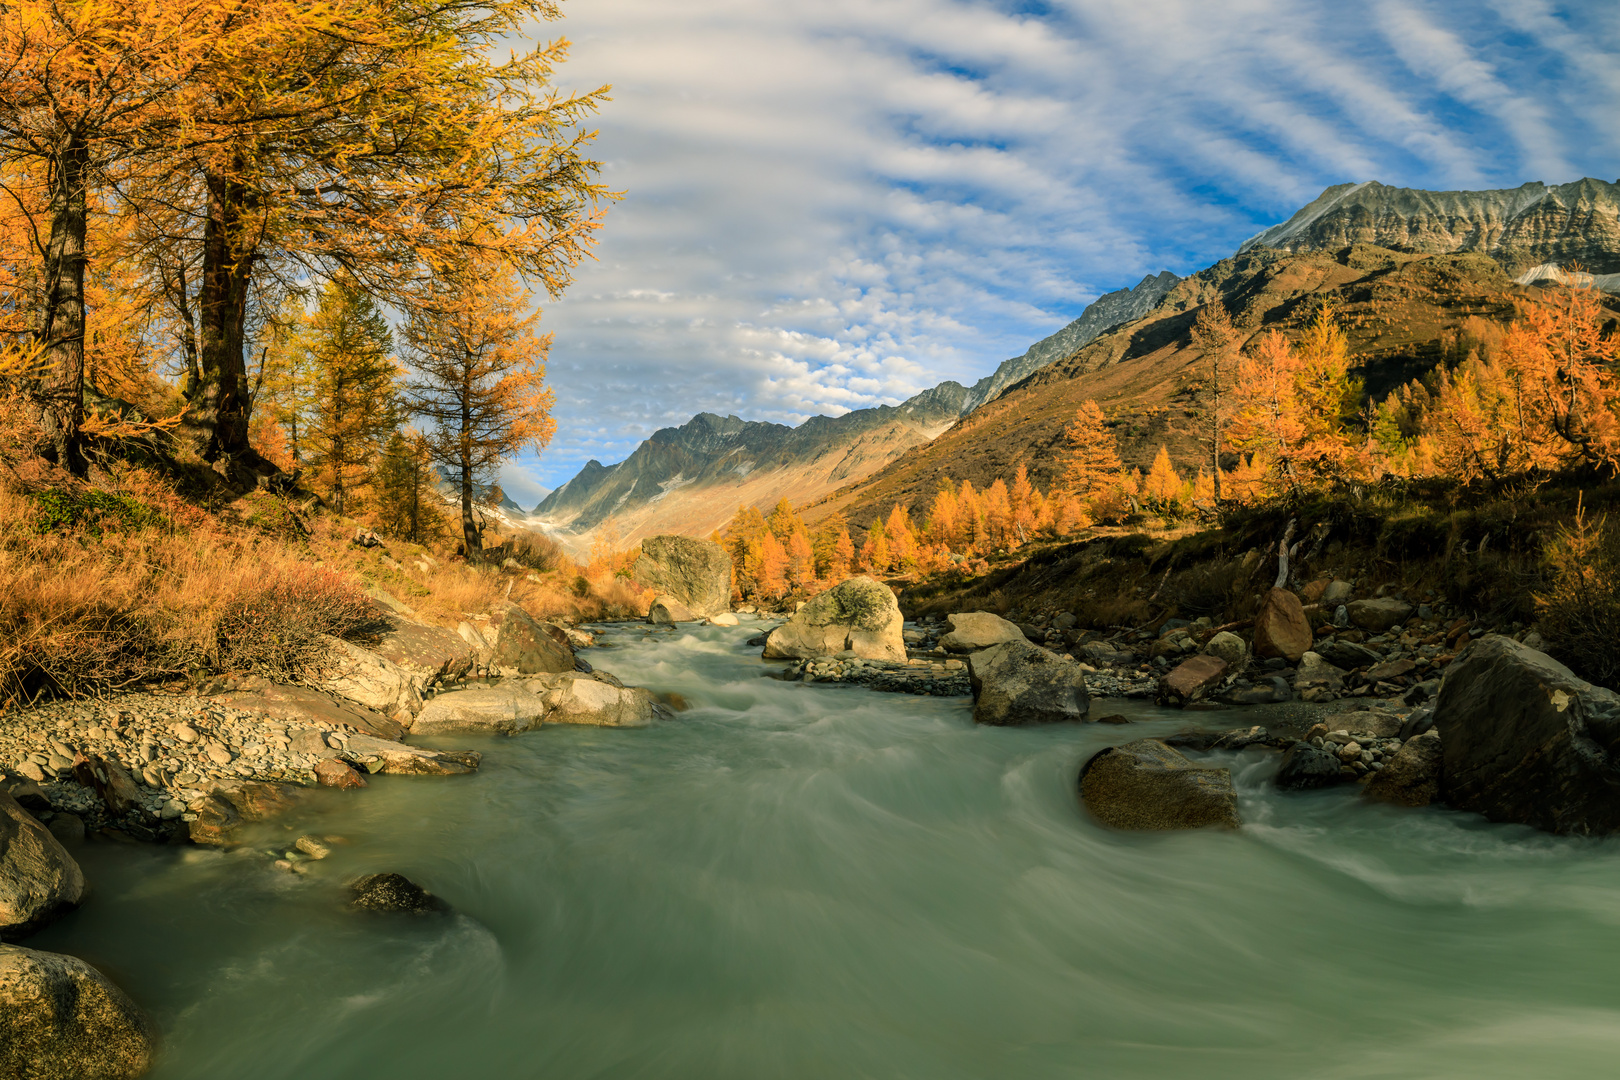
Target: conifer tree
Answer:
[[1214, 336], [1092, 456], [353, 396], [408, 504], [801, 561]]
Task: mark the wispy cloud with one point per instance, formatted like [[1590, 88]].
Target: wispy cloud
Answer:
[[836, 204]]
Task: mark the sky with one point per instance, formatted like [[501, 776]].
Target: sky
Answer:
[[834, 204]]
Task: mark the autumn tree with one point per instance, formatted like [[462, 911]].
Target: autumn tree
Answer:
[[1214, 336], [1022, 498], [407, 502], [353, 387], [1267, 415], [1092, 456], [478, 376], [801, 561], [773, 566]]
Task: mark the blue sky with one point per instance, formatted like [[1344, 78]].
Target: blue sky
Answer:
[[833, 204]]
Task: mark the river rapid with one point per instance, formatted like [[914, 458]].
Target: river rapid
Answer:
[[796, 881]]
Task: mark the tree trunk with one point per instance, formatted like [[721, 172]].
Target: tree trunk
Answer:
[[221, 407], [1215, 444], [61, 331], [469, 525]]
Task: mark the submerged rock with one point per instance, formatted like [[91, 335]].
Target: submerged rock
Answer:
[[394, 893], [61, 1019], [337, 774], [696, 573], [860, 616], [1019, 683], [1147, 785], [401, 760], [974, 630], [39, 880], [1412, 777], [1305, 768], [1528, 741]]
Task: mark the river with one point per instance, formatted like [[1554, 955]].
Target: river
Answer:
[[793, 881]]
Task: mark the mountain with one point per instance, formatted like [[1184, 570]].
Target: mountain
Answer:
[[1520, 227], [1403, 312], [691, 479]]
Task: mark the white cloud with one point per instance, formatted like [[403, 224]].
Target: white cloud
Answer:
[[836, 204]]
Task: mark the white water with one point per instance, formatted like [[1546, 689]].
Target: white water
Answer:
[[794, 881]]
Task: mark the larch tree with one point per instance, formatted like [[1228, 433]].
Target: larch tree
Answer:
[[1214, 336], [1267, 413], [478, 377], [354, 388], [407, 503], [1092, 455]]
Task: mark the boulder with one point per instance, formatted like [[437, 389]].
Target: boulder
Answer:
[[337, 774], [1191, 680], [221, 813], [369, 679], [667, 611], [1376, 616], [1412, 776], [1348, 655], [398, 759], [725, 618], [1280, 627], [393, 893], [1019, 683], [697, 573], [1336, 593], [504, 710], [1103, 652], [860, 616], [524, 645], [215, 821], [61, 1019], [971, 630], [436, 655], [1314, 671], [598, 700], [302, 704], [1371, 723], [1305, 767], [1391, 669], [108, 780], [1528, 741], [1147, 785], [1272, 691], [38, 878], [1229, 647]]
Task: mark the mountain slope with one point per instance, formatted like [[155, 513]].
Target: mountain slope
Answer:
[[691, 479], [1521, 227], [1403, 312]]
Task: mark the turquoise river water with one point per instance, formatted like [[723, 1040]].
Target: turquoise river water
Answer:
[[792, 881]]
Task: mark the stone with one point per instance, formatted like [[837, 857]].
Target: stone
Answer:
[[697, 573], [61, 1019], [216, 822], [667, 611], [308, 741], [504, 710], [108, 780], [337, 774], [1230, 648], [596, 701], [185, 733], [38, 878], [1348, 655], [1367, 723], [394, 893], [1147, 785], [1379, 614], [1336, 593], [306, 705], [1314, 671], [435, 655], [1020, 683], [971, 630], [32, 772], [68, 829], [524, 645], [1420, 720], [1341, 617], [1393, 669], [725, 618], [313, 846], [1064, 620], [1280, 627], [1422, 692], [398, 759], [860, 615], [1272, 691], [1304, 768], [1528, 741], [1412, 777], [369, 679], [1312, 592], [28, 793], [1191, 680], [1104, 653]]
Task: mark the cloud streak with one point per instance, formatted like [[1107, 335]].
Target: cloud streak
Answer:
[[835, 205]]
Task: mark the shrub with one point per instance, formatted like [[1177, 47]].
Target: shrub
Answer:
[[274, 627], [93, 510], [1581, 606]]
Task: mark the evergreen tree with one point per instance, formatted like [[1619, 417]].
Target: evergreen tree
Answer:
[[1093, 456]]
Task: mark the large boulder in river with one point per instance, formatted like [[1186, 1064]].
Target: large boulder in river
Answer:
[[1526, 740], [1280, 627], [974, 630], [394, 893], [1412, 777], [695, 572], [503, 710], [370, 679], [1147, 785], [525, 645], [1191, 680], [61, 1019], [38, 878], [1019, 683], [436, 655], [859, 615], [1376, 616], [667, 611], [1305, 767], [597, 700]]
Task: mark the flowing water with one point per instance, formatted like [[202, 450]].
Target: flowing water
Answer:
[[822, 882]]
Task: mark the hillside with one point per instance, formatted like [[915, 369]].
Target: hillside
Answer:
[[691, 479], [1404, 313]]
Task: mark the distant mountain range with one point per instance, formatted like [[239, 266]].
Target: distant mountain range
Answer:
[[691, 479]]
